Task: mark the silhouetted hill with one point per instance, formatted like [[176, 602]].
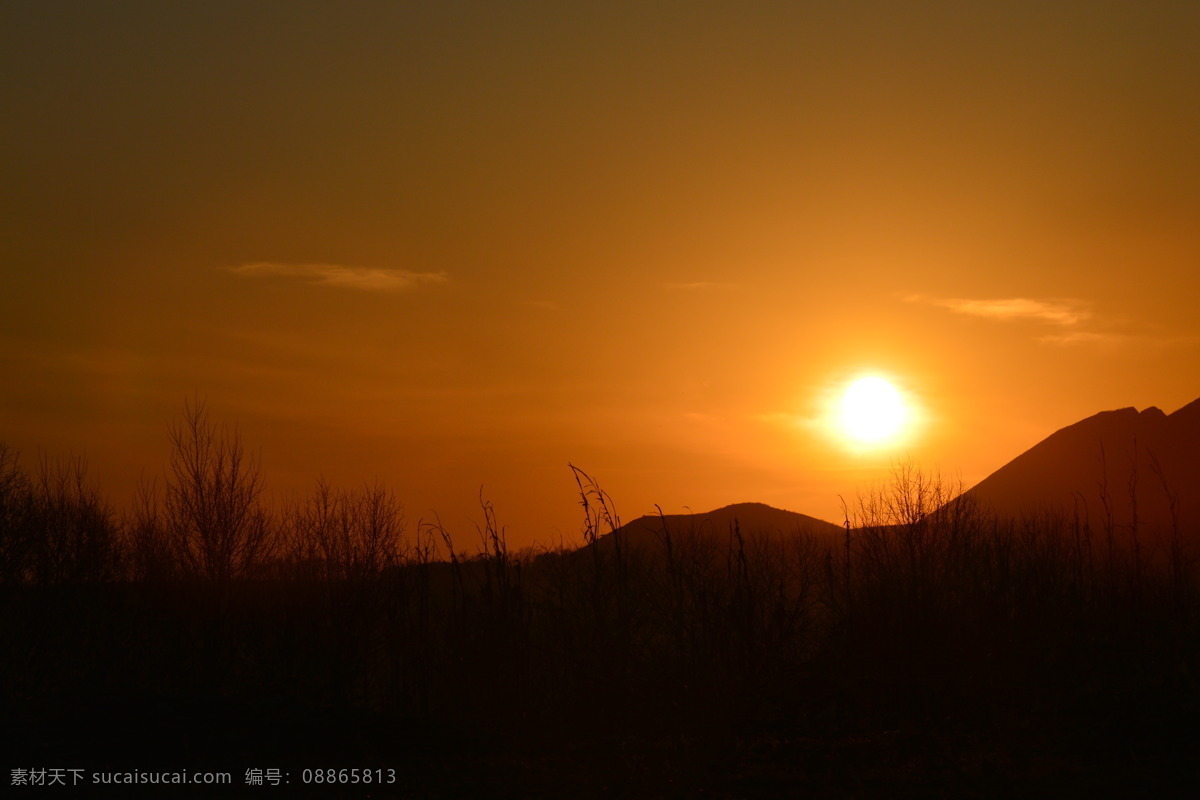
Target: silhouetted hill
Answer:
[[756, 521], [1117, 468]]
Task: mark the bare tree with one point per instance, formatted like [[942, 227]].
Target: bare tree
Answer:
[[75, 531], [352, 533], [14, 508], [148, 542], [217, 526]]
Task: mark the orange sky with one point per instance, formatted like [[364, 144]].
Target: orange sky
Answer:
[[461, 246]]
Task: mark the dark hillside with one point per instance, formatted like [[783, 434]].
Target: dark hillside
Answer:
[[1120, 470]]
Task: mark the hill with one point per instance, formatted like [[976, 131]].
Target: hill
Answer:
[[756, 522], [1124, 470]]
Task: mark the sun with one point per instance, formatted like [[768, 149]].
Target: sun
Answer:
[[872, 412]]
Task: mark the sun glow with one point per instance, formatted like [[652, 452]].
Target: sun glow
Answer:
[[872, 412]]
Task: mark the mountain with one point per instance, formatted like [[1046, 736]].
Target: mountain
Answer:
[[756, 522], [1139, 463]]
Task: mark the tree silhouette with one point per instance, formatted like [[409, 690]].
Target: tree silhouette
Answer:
[[14, 505], [215, 522]]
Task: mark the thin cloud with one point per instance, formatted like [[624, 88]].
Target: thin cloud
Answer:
[[1064, 313], [545, 305], [1114, 338], [1071, 323], [1085, 337], [698, 286], [366, 279]]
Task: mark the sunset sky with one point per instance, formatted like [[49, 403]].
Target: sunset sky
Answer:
[[453, 245]]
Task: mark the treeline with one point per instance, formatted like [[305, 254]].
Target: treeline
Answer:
[[930, 636], [206, 520]]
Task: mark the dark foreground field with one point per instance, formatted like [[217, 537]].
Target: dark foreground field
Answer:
[[727, 674], [932, 651]]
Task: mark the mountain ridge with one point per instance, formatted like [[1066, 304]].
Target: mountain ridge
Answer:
[[1124, 467], [753, 520]]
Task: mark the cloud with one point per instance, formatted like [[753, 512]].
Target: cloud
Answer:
[[1113, 339], [698, 286], [1064, 313], [1084, 337], [367, 279], [545, 305], [1070, 322]]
